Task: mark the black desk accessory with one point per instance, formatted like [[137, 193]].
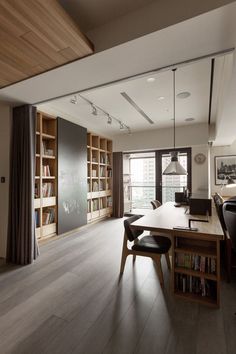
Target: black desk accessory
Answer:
[[189, 228]]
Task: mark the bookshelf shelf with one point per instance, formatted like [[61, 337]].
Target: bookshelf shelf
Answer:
[[46, 176], [196, 298], [200, 251], [48, 136], [195, 273], [99, 193], [48, 157]]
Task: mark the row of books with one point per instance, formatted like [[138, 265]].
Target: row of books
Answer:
[[47, 190], [46, 171], [102, 171], [97, 204], [195, 262], [195, 285], [48, 216], [45, 150]]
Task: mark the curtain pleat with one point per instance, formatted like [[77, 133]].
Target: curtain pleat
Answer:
[[118, 189], [22, 247]]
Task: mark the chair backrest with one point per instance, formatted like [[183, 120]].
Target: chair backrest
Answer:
[[218, 200], [155, 204], [229, 213], [130, 233]]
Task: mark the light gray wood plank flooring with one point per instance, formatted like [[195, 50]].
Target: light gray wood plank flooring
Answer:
[[71, 301]]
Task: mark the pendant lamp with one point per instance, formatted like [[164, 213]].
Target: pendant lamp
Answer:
[[174, 167]]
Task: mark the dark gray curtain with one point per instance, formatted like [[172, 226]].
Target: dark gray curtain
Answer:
[[22, 245], [118, 189]]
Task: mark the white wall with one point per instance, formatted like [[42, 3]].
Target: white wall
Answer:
[[5, 131], [221, 151], [189, 135], [195, 136]]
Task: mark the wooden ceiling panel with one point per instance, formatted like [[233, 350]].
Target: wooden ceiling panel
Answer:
[[36, 36]]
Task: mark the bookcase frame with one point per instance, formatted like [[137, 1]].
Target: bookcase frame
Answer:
[[99, 167], [203, 247], [46, 131]]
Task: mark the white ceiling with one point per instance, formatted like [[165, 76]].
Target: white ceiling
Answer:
[[193, 78]]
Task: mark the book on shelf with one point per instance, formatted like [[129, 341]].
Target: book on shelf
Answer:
[[46, 171], [37, 218], [36, 191], [48, 216], [95, 186], [102, 159], [95, 204], [88, 187], [101, 185], [195, 285], [94, 173], [199, 263], [109, 202], [47, 190], [102, 171], [45, 150], [109, 172]]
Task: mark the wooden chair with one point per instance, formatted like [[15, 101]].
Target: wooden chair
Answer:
[[155, 204], [148, 246]]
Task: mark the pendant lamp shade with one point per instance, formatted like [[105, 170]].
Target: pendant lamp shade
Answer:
[[174, 168]]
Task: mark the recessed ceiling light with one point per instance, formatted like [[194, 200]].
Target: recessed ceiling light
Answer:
[[189, 119], [160, 98], [185, 94], [151, 79]]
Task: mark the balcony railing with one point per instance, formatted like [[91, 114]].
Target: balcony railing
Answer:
[[140, 196]]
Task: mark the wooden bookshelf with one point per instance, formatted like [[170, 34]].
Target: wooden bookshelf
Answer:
[[196, 270], [99, 177], [45, 202]]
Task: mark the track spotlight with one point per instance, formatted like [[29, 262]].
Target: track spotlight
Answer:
[[122, 126], [109, 119], [94, 110], [74, 100]]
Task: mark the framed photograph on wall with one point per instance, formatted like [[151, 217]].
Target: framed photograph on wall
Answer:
[[225, 168]]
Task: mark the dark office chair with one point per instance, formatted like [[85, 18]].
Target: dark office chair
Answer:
[[218, 200], [155, 204], [229, 213], [147, 246]]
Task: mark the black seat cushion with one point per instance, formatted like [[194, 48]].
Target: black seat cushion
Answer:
[[154, 244]]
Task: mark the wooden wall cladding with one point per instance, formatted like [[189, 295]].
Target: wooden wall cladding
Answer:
[[36, 36]]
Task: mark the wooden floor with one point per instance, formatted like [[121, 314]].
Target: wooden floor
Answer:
[[71, 301]]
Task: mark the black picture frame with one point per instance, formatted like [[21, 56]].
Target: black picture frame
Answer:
[[225, 167]]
